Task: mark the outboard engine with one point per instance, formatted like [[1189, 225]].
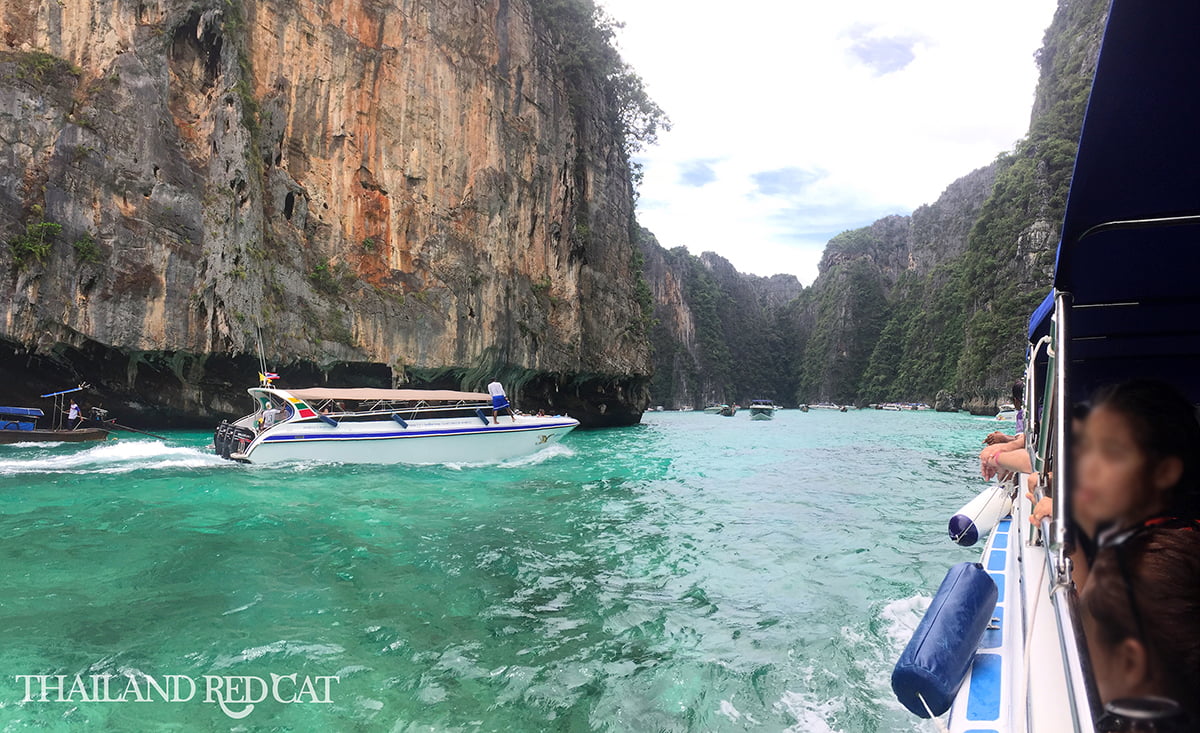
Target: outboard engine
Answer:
[[239, 438], [221, 439]]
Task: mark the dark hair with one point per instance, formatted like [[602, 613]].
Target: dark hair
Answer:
[[1148, 587], [1164, 425], [1018, 393]]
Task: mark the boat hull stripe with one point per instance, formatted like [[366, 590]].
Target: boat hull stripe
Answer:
[[408, 434]]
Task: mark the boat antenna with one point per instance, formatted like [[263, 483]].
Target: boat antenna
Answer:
[[262, 360]]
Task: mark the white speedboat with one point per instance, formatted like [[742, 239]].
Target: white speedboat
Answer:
[[762, 409], [1002, 646], [382, 426], [1008, 413]]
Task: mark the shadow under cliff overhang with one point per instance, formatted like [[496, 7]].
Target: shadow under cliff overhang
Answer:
[[174, 389]]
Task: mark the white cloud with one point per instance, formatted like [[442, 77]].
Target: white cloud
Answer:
[[883, 103]]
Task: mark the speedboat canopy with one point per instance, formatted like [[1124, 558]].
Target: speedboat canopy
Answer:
[[390, 395]]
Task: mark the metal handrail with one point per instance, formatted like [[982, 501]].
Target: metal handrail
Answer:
[[1062, 468], [1031, 423], [1080, 681]]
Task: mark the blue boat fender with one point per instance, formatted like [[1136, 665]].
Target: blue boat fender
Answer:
[[937, 658], [328, 420], [980, 515], [482, 416], [399, 420]]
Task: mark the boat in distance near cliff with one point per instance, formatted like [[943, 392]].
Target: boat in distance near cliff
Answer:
[[382, 426], [19, 425], [762, 409], [824, 406]]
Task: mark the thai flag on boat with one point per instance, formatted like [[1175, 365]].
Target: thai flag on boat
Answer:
[[267, 376]]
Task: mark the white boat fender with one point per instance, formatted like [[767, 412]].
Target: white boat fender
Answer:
[[400, 420], [980, 515], [482, 416], [935, 662], [328, 420]]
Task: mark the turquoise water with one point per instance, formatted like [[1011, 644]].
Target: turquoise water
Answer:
[[694, 573]]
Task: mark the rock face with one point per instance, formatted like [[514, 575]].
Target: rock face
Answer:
[[724, 336], [390, 190], [719, 336]]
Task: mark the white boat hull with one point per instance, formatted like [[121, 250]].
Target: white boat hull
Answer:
[[428, 441]]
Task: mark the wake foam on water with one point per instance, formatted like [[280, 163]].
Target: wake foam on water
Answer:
[[900, 619], [811, 715], [554, 450], [119, 457], [896, 622]]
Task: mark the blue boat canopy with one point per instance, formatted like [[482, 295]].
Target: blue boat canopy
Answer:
[[1043, 315], [21, 411], [1138, 160], [1129, 256]]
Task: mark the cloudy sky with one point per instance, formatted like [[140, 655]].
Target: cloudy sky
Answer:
[[794, 120]]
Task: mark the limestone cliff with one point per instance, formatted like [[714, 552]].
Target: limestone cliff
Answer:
[[719, 336], [724, 336], [392, 190]]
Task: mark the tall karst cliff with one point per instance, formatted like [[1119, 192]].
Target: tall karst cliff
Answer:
[[911, 306], [718, 335], [390, 189]]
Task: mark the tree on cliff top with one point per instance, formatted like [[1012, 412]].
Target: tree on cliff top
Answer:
[[586, 50]]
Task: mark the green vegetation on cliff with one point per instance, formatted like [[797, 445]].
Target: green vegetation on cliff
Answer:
[[587, 54]]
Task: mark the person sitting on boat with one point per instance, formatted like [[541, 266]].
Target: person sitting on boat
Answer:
[[1139, 615], [499, 401], [1004, 458], [1045, 507], [1139, 458], [1005, 453], [73, 416]]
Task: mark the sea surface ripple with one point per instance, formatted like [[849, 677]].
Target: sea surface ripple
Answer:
[[693, 573]]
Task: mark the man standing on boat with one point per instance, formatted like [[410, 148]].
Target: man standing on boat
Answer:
[[73, 417], [499, 401]]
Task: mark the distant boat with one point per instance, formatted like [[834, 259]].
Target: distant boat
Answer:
[[902, 406], [1007, 413], [714, 409], [762, 409], [728, 410], [827, 406]]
